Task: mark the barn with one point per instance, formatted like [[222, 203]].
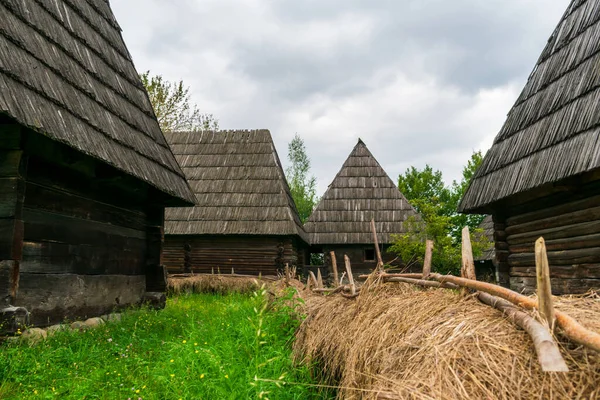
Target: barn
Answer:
[[541, 177], [245, 220], [85, 171], [361, 191]]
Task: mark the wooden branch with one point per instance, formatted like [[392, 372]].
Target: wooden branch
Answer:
[[546, 348], [335, 270], [427, 261], [350, 276], [403, 275], [544, 291], [422, 282], [376, 243], [570, 327]]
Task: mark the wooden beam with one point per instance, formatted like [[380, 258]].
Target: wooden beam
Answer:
[[544, 290], [350, 276], [336, 282], [468, 265], [376, 243], [428, 256]]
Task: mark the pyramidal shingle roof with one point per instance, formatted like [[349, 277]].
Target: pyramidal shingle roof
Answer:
[[553, 130], [360, 191], [65, 72], [239, 184]]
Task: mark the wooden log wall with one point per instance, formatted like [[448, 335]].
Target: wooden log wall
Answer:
[[356, 253], [245, 254], [13, 169], [571, 230]]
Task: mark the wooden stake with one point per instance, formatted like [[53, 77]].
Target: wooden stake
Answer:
[[334, 267], [546, 348], [422, 282], [468, 265], [570, 327], [544, 290], [376, 243], [232, 273], [350, 276], [287, 273], [314, 279], [319, 279], [427, 261]]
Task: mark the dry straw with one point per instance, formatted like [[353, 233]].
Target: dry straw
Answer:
[[221, 284], [400, 341]]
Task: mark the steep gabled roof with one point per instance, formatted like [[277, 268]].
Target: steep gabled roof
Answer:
[[239, 184], [359, 192], [65, 72], [552, 132]]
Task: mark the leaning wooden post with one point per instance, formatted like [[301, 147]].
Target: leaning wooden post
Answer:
[[544, 290], [313, 278], [467, 269], [376, 243], [336, 282], [350, 276], [427, 261]]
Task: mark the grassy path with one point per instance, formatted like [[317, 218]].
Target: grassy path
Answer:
[[199, 347]]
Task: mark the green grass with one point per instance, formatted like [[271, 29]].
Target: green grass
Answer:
[[198, 347]]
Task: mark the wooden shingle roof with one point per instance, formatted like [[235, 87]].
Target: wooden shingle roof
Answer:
[[65, 72], [359, 192], [239, 185], [553, 130]]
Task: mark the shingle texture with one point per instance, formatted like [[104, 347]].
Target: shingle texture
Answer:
[[553, 130], [66, 73], [239, 185], [360, 191]]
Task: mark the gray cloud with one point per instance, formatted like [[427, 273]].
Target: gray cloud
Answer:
[[421, 81]]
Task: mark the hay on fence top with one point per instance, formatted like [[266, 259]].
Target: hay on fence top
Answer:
[[399, 341], [222, 284]]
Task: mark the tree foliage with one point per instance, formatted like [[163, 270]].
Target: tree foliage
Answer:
[[171, 104], [439, 221], [302, 185]]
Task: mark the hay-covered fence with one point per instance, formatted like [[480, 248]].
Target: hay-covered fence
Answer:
[[397, 340]]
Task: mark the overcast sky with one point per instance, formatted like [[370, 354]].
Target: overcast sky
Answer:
[[420, 81]]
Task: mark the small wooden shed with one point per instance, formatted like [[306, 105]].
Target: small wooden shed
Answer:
[[361, 191], [245, 219], [85, 171], [541, 177]]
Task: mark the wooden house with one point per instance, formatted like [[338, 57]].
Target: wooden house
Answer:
[[541, 177], [245, 219], [361, 191], [85, 171]]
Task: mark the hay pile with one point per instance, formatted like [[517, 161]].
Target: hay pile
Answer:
[[221, 284], [400, 341]]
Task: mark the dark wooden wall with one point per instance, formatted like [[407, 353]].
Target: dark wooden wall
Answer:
[[569, 222], [245, 254], [78, 237], [356, 253]]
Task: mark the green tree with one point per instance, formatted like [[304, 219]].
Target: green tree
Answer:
[[171, 103], [438, 219], [302, 185]]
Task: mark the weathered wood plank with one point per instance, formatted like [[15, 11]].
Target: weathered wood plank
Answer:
[[9, 281], [61, 202], [50, 257], [10, 136], [565, 219], [10, 162], [564, 257], [573, 243], [9, 197], [591, 271], [566, 231], [551, 212], [11, 239]]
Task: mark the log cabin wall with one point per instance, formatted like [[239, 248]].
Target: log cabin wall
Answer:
[[358, 257], [220, 253], [570, 225]]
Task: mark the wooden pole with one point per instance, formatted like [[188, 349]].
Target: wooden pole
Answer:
[[313, 279], [468, 265], [319, 279], [422, 282], [350, 276], [376, 243], [544, 290], [546, 348], [427, 261], [570, 327], [336, 282]]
